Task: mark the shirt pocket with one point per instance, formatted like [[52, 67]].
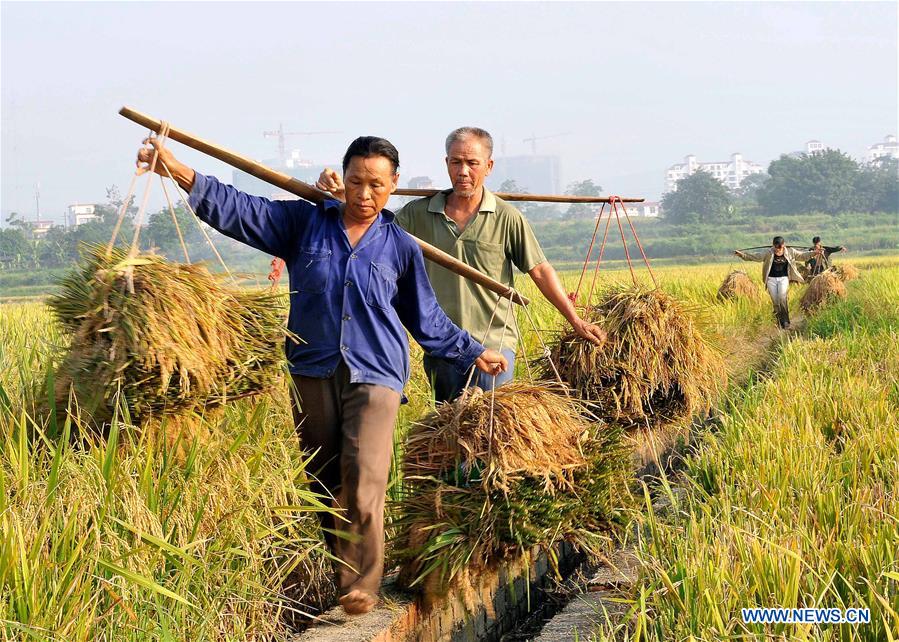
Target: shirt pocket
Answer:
[[314, 270], [485, 256], [381, 286]]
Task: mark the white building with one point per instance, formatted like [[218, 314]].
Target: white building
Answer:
[[887, 149], [731, 172], [41, 228], [648, 209], [81, 214]]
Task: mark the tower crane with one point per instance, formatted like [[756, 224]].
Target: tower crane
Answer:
[[534, 138], [282, 135]]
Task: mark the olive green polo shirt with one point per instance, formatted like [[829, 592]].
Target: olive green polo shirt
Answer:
[[494, 240]]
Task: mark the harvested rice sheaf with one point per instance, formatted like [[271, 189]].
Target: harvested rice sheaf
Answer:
[[169, 336], [845, 272], [536, 431], [658, 365], [737, 285], [478, 491], [822, 289]]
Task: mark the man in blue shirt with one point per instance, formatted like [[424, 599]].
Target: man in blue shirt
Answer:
[[357, 282]]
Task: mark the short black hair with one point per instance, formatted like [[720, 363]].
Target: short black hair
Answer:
[[778, 241], [368, 146], [817, 239]]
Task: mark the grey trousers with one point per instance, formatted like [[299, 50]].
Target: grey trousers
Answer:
[[350, 425]]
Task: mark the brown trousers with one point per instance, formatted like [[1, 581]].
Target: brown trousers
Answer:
[[350, 425]]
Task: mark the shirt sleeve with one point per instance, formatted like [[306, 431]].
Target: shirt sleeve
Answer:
[[270, 226], [523, 249], [753, 256], [803, 256], [426, 321]]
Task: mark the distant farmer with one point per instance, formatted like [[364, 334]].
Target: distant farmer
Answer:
[[357, 282], [778, 269], [817, 264], [473, 225]]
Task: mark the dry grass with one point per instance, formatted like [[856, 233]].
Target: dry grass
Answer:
[[658, 365], [846, 272], [478, 491], [737, 284], [170, 336], [525, 430], [822, 289]]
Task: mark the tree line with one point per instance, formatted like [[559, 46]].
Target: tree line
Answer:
[[828, 181]]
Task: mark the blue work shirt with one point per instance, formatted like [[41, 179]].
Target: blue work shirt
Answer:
[[345, 303]]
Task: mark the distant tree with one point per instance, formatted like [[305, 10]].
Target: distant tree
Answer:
[[877, 186], [751, 185], [15, 250], [582, 210], [820, 182], [18, 221], [162, 233], [699, 198], [511, 186], [57, 248]]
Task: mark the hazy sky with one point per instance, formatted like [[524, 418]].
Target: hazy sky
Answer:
[[639, 86]]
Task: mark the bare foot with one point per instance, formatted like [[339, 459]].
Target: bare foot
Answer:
[[358, 602]]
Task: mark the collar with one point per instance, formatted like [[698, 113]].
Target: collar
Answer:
[[437, 204]]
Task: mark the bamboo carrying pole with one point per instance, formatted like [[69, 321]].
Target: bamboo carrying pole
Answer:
[[310, 193], [536, 198]]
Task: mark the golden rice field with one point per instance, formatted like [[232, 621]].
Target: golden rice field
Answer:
[[792, 500]]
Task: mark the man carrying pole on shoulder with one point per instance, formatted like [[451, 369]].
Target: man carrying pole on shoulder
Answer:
[[357, 282], [484, 231]]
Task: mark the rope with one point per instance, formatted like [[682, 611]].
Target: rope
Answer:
[[627, 253], [602, 249], [175, 220], [122, 211], [138, 220], [524, 354], [172, 207], [483, 340], [502, 339], [577, 290], [637, 239], [546, 351], [186, 202]]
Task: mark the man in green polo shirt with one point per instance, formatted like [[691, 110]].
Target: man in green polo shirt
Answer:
[[473, 225]]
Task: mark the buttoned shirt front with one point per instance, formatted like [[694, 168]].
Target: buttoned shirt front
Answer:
[[349, 303]]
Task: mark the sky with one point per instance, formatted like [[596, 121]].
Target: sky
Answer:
[[638, 86]]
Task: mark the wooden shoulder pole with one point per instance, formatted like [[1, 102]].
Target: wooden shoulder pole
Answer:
[[310, 193]]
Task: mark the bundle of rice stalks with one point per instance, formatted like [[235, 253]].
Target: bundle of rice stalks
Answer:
[[473, 498], [166, 336], [658, 365], [737, 284], [845, 272], [822, 289], [536, 431]]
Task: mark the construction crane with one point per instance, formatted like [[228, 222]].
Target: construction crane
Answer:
[[282, 135], [534, 138]]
